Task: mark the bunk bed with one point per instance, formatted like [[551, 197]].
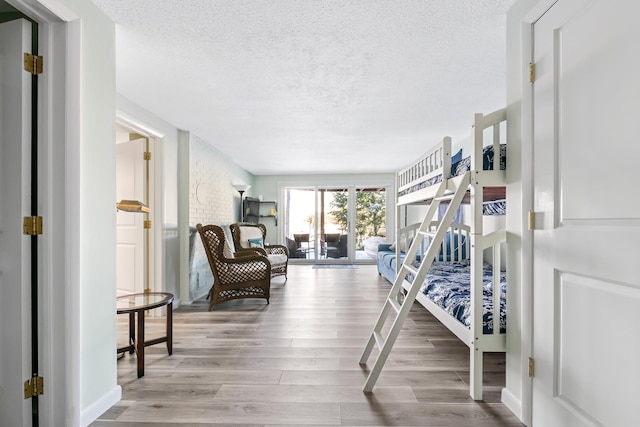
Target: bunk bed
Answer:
[[452, 269]]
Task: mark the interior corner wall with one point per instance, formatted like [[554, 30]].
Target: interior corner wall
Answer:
[[212, 200]]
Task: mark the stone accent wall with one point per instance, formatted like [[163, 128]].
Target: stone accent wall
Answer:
[[211, 200], [211, 195]]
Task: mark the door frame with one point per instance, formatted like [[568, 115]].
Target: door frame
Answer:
[[60, 42], [156, 198], [527, 141]]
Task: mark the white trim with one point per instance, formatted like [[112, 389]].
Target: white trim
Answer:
[[526, 268], [60, 348], [99, 407], [51, 194], [511, 402], [526, 263], [44, 10], [127, 120], [538, 10]]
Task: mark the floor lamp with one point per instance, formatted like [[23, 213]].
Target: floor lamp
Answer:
[[241, 188]]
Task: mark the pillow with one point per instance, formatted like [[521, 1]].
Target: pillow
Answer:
[[385, 247], [247, 233], [256, 243], [455, 161], [226, 250], [488, 157], [402, 245], [456, 157]]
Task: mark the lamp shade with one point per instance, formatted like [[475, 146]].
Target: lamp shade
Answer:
[[132, 206], [241, 187]]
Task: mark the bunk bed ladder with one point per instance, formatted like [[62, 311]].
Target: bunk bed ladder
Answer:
[[452, 190]]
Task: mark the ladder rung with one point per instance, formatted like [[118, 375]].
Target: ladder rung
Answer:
[[428, 233], [395, 304], [379, 339], [449, 196], [411, 269]]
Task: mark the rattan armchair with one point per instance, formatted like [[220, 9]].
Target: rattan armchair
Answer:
[[278, 255], [246, 275]]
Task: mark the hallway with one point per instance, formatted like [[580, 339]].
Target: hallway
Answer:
[[295, 362]]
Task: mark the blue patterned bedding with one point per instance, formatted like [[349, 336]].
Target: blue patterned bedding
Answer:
[[448, 284], [496, 207]]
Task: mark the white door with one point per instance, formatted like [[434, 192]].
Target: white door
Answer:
[[130, 185], [586, 340], [15, 134]]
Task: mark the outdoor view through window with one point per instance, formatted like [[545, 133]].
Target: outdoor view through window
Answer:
[[335, 223]]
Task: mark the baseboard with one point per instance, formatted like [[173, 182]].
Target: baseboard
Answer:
[[99, 407], [512, 402]]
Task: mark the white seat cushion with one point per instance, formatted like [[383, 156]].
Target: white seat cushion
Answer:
[[277, 259]]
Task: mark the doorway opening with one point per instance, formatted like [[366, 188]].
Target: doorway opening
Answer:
[[137, 234]]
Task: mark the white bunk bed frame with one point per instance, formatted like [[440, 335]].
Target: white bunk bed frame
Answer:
[[437, 161]]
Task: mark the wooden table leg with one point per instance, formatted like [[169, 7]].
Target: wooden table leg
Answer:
[[170, 328], [140, 344], [132, 332]]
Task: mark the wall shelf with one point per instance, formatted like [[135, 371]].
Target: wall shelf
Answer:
[[253, 210]]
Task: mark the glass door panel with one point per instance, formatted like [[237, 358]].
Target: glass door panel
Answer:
[[334, 225], [370, 222], [299, 226]]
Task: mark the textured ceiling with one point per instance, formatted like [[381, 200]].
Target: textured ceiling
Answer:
[[322, 86]]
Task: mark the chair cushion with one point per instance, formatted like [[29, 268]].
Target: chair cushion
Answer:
[[277, 259], [247, 233]]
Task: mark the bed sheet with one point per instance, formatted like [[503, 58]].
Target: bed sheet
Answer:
[[448, 284]]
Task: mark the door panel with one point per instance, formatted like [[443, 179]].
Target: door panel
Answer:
[[586, 270], [333, 230], [15, 149], [130, 182]]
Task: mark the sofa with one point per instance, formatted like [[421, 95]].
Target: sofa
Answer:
[[386, 260]]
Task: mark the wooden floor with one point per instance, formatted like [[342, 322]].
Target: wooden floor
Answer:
[[295, 362]]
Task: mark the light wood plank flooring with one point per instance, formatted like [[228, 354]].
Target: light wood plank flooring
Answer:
[[295, 362]]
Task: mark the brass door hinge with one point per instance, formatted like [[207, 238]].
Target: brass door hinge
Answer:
[[147, 155], [532, 367], [33, 387], [32, 225], [147, 224], [532, 221], [32, 63], [532, 72]]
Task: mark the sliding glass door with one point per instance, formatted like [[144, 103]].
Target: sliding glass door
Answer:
[[334, 224]]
